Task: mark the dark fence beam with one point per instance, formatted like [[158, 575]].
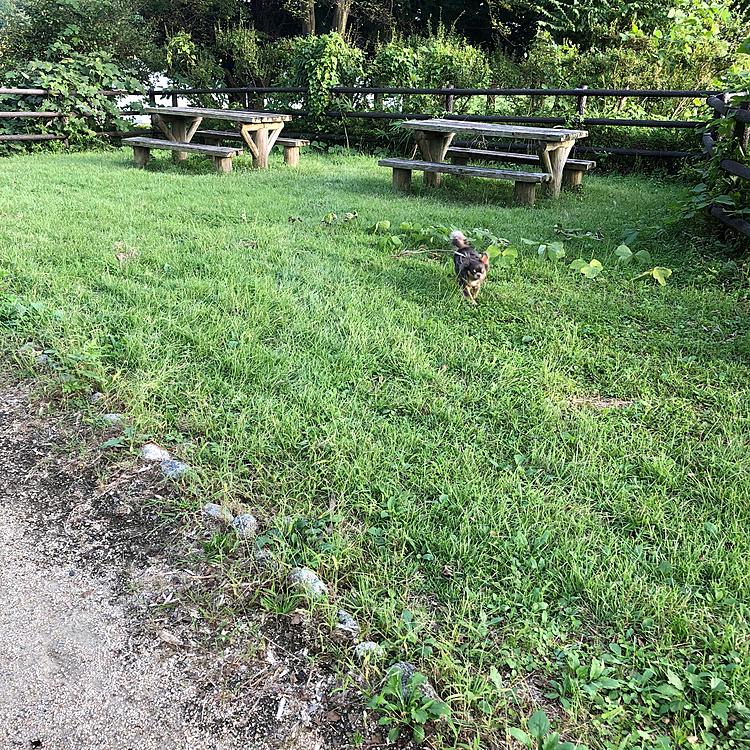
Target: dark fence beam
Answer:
[[731, 221]]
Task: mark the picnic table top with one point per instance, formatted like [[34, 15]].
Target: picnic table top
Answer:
[[233, 115], [495, 129]]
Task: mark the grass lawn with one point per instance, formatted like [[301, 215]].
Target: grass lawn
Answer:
[[574, 450]]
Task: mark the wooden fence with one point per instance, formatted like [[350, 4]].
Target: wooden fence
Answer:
[[254, 98], [741, 134]]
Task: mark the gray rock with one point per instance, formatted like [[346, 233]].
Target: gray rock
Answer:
[[218, 513], [95, 398], [407, 671], [347, 625], [26, 348], [153, 452], [369, 650], [173, 469], [117, 420], [307, 581], [245, 526], [42, 359]]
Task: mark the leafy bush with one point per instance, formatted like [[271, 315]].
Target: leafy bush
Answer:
[[76, 80]]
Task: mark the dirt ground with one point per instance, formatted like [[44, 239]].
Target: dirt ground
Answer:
[[106, 636]]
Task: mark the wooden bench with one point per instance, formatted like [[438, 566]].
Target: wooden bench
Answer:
[[572, 172], [291, 145], [525, 182], [142, 151]]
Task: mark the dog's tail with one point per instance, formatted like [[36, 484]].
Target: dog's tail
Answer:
[[458, 240]]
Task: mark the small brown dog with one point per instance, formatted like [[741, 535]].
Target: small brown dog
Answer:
[[470, 266]]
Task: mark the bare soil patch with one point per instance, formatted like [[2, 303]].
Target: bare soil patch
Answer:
[[102, 642]]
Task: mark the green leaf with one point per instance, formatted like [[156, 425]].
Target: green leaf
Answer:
[[644, 257], [712, 529], [673, 679], [393, 734], [528, 242], [538, 724], [510, 252], [720, 711], [520, 735], [419, 715], [418, 734], [718, 685], [117, 442], [608, 683], [496, 678], [624, 254], [550, 741], [493, 251], [596, 669], [661, 274], [592, 269], [578, 264]]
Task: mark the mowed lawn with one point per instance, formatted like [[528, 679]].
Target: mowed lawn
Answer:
[[574, 450]]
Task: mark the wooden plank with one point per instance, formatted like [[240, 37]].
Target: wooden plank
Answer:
[[731, 221], [32, 137], [232, 115], [10, 115], [292, 142], [193, 148], [735, 168], [494, 130], [229, 135], [488, 155], [495, 174]]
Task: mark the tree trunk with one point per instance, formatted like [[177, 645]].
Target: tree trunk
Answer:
[[308, 19], [341, 16]]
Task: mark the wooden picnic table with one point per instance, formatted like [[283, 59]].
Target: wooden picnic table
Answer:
[[553, 145], [259, 130]]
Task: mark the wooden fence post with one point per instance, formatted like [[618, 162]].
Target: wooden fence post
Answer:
[[622, 101], [741, 131], [174, 100], [152, 97], [449, 99], [581, 103]]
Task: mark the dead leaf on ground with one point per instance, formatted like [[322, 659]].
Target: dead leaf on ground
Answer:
[[125, 254], [170, 638]]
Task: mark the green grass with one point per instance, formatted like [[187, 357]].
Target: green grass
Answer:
[[301, 369]]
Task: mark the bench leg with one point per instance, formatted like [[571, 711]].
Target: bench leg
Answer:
[[211, 141], [141, 156], [291, 155], [402, 179], [179, 131], [525, 193], [223, 164], [571, 178]]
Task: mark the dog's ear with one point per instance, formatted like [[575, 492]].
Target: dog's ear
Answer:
[[486, 259]]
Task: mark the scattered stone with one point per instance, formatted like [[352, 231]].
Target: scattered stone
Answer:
[[116, 420], [173, 469], [153, 452], [27, 347], [369, 650], [407, 672], [218, 513], [42, 359], [347, 625], [245, 525], [308, 582], [95, 398]]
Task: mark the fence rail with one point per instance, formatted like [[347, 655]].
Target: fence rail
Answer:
[[740, 133]]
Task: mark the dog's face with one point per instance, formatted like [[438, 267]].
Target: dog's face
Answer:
[[477, 269]]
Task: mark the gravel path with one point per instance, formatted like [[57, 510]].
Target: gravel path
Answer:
[[68, 675], [90, 657]]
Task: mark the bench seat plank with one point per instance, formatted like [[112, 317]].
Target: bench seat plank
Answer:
[[221, 155], [193, 148], [492, 173], [514, 158]]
